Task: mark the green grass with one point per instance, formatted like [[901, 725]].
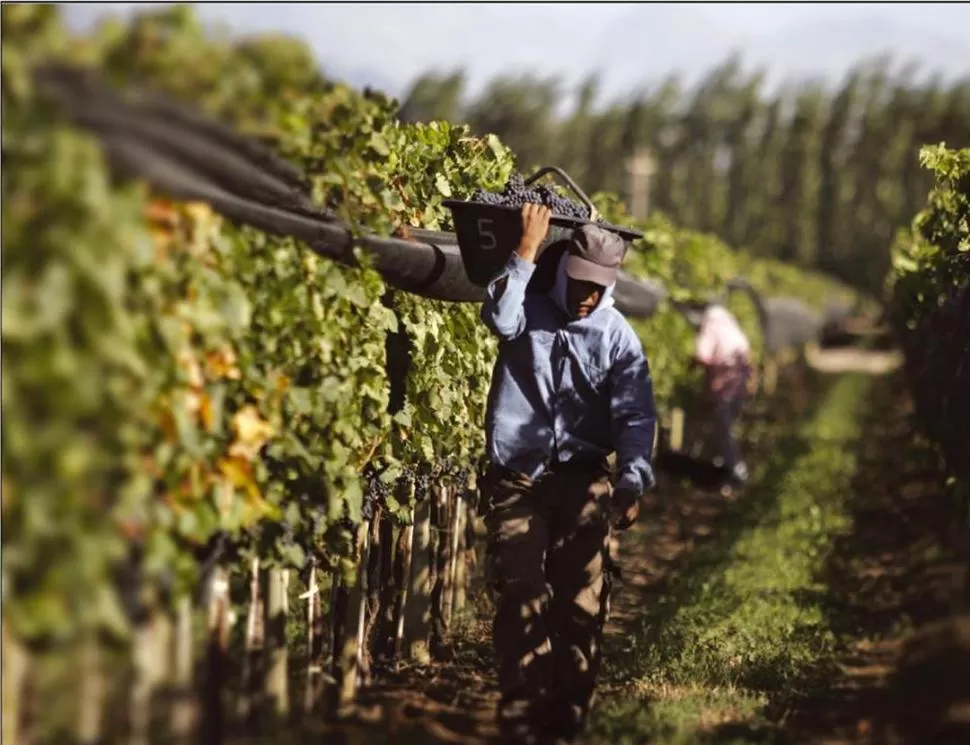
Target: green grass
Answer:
[[743, 628]]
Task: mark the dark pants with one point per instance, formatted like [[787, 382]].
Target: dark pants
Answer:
[[547, 566], [726, 412]]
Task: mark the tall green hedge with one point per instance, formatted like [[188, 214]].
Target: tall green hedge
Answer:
[[930, 310]]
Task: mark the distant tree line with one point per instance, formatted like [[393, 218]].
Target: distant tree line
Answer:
[[817, 176]]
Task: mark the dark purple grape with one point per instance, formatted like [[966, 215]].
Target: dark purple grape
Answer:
[[516, 194]]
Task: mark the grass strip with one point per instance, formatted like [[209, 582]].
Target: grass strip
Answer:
[[742, 629]]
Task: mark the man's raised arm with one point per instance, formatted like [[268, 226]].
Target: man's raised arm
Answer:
[[502, 310]]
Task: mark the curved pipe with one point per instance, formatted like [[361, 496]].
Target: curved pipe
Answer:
[[785, 321], [187, 157], [247, 170]]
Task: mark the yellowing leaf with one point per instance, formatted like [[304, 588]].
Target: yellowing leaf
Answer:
[[200, 212], [192, 401], [166, 421], [238, 474], [162, 241], [252, 432], [223, 364], [225, 492], [162, 212], [207, 412], [189, 364], [238, 471]]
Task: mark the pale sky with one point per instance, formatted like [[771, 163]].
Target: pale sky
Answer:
[[389, 44]]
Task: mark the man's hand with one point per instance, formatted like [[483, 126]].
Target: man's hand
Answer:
[[535, 225], [624, 508]]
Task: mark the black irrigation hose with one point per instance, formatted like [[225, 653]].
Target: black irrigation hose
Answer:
[[785, 321], [158, 116], [182, 154]]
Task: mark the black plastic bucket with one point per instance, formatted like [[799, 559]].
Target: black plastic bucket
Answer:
[[488, 233]]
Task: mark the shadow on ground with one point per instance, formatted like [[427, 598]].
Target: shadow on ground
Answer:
[[896, 570]]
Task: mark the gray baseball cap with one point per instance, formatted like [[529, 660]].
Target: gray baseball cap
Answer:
[[595, 255]]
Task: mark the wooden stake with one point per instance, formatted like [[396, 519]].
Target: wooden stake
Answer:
[[213, 717], [321, 651], [274, 645], [460, 580], [403, 573], [677, 429], [184, 716], [311, 596], [417, 610], [383, 643], [338, 618], [770, 376], [372, 598], [360, 603], [311, 609], [640, 169], [142, 687], [164, 634], [16, 663], [348, 654], [442, 563], [251, 644], [91, 692], [457, 504]]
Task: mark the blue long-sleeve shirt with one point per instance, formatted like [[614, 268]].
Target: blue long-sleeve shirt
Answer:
[[565, 387]]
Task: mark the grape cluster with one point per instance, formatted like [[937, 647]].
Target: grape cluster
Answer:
[[423, 483], [367, 508], [378, 489], [516, 194], [422, 477], [461, 477], [376, 492]]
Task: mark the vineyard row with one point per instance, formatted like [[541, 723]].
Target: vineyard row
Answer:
[[190, 404]]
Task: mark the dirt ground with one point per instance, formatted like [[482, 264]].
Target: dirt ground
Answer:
[[898, 587], [853, 359]]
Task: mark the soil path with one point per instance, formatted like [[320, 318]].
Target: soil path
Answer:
[[854, 359]]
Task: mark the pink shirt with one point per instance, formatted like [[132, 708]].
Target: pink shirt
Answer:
[[724, 349]]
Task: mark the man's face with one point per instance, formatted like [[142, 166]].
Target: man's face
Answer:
[[582, 297]]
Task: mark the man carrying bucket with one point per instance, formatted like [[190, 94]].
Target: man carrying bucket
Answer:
[[571, 386]]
